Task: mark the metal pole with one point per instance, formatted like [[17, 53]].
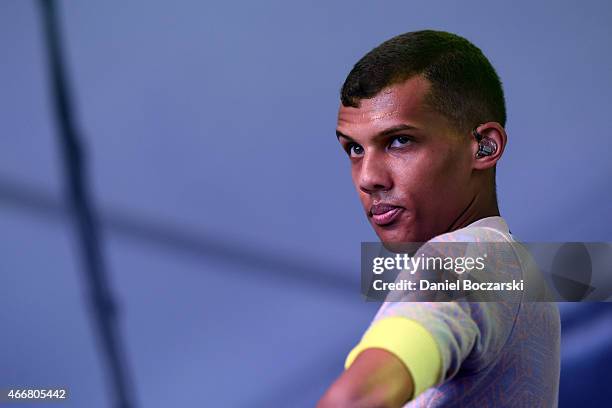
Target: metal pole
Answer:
[[102, 304]]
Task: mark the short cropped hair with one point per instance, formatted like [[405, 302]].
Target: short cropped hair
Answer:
[[464, 85]]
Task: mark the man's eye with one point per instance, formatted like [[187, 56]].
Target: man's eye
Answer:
[[400, 141], [354, 150]]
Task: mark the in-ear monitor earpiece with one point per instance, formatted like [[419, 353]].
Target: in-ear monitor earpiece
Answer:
[[486, 146]]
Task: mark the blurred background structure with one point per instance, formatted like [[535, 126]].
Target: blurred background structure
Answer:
[[228, 222]]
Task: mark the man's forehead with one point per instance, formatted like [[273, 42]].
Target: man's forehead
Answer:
[[398, 102]]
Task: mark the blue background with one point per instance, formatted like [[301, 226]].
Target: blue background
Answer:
[[231, 228]]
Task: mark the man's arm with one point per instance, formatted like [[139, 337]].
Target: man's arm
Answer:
[[376, 378], [396, 360]]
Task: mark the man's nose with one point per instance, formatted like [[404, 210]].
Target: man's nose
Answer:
[[374, 175]]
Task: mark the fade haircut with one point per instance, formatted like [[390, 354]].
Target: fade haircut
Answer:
[[464, 85]]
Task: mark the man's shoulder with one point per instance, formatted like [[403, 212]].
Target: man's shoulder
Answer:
[[488, 229]]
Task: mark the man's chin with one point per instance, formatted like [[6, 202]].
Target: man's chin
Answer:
[[402, 247], [397, 236]]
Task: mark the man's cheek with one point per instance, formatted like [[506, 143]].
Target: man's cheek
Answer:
[[355, 177], [365, 200]]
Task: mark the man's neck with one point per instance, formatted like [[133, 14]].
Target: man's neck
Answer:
[[477, 209]]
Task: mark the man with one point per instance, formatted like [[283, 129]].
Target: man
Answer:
[[422, 120]]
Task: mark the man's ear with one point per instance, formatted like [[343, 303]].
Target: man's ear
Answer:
[[492, 137]]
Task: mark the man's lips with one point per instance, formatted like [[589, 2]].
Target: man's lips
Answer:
[[384, 214]]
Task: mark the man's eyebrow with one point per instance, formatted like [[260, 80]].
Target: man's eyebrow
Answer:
[[340, 134], [386, 132], [397, 128]]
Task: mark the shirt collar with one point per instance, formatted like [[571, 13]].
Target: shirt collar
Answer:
[[495, 222]]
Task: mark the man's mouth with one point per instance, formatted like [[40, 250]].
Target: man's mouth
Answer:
[[384, 214]]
